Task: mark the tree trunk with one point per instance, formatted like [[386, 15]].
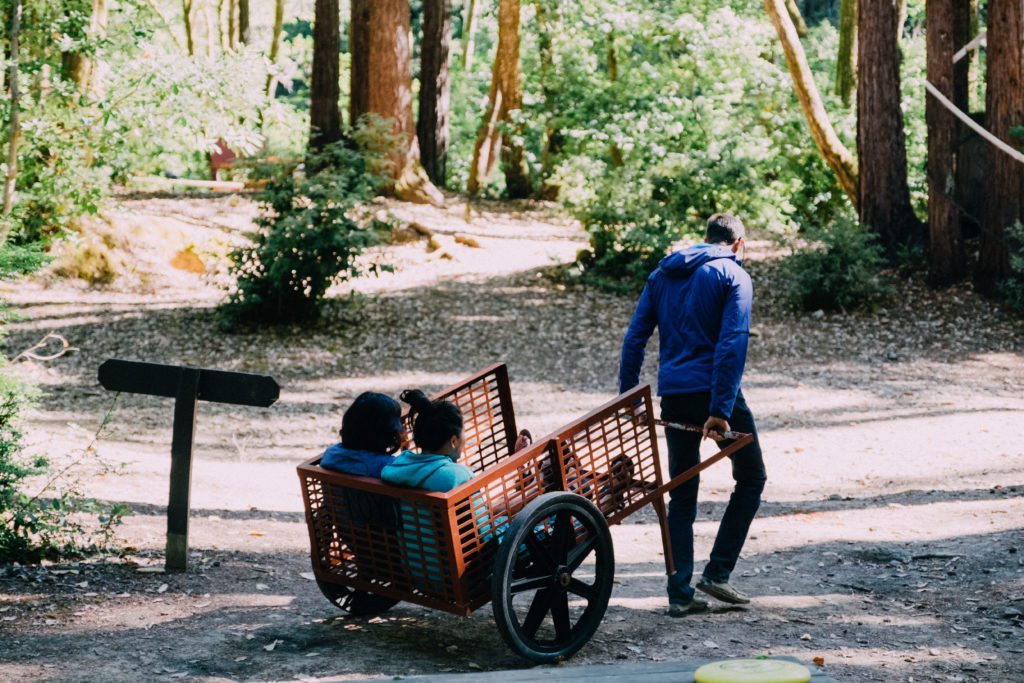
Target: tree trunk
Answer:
[[359, 53], [884, 193], [468, 27], [14, 128], [505, 97], [324, 114], [846, 63], [798, 19], [232, 36], [78, 67], [1004, 107], [275, 41], [382, 85], [186, 14], [945, 245], [832, 149], [432, 124], [553, 138], [243, 22]]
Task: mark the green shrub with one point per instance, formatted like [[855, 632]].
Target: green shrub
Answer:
[[57, 519], [840, 270], [308, 239], [1012, 288]]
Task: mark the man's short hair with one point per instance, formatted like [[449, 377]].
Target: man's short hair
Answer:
[[724, 228]]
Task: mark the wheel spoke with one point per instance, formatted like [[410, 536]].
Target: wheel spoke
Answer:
[[580, 552], [560, 540], [539, 608], [560, 615], [529, 583], [584, 590], [538, 552]]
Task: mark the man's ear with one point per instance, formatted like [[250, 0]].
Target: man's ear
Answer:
[[736, 245]]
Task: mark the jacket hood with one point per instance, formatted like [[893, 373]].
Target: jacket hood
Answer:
[[683, 263]]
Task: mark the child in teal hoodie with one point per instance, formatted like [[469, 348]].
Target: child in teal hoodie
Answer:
[[437, 430]]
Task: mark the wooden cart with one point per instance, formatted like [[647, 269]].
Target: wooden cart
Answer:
[[529, 533]]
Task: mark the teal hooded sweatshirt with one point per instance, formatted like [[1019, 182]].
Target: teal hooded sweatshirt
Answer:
[[418, 536]]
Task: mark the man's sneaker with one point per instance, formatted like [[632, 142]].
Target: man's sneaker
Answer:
[[681, 609], [722, 591]]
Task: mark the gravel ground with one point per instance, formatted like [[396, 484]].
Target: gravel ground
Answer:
[[889, 544]]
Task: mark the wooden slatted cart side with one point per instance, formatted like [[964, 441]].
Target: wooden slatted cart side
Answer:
[[489, 420]]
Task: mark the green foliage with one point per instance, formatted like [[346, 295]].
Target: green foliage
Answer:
[[56, 520], [840, 270], [697, 116], [308, 240], [1012, 288]]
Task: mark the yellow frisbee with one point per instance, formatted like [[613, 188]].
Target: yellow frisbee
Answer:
[[753, 671]]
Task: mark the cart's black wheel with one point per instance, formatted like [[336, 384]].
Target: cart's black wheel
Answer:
[[553, 577], [356, 602]]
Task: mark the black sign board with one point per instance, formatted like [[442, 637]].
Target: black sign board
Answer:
[[187, 386]]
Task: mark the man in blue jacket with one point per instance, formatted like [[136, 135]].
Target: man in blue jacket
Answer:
[[699, 299]]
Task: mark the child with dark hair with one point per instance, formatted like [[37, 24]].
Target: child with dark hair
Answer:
[[371, 431], [437, 430]]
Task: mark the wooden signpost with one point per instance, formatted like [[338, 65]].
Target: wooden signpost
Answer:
[[187, 386]]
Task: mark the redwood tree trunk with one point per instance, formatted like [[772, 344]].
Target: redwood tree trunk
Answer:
[[382, 85], [505, 97], [1004, 107], [14, 129], [945, 245], [432, 124], [846, 61], [884, 194], [324, 114], [359, 53]]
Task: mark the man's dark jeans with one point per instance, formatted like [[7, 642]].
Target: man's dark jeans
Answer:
[[748, 472]]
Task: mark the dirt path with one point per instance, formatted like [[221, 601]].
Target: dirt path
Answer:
[[890, 542]]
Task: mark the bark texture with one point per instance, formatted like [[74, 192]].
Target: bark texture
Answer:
[[434, 97], [832, 149], [359, 52], [945, 243], [324, 114], [504, 98], [547, 26], [798, 19], [75, 65], [1004, 106], [884, 193], [382, 84], [846, 61]]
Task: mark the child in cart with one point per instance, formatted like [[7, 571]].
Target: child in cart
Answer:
[[371, 431]]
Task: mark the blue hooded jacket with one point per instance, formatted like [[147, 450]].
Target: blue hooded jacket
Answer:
[[353, 461], [699, 299]]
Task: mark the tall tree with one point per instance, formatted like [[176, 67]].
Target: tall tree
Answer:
[[1004, 108], [77, 64], [945, 243], [382, 84], [432, 124], [504, 98], [846, 61], [547, 27], [468, 29], [244, 34], [832, 149], [324, 114], [884, 194], [275, 41], [186, 16], [14, 130]]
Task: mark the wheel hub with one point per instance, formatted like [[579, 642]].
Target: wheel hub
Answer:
[[563, 576]]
